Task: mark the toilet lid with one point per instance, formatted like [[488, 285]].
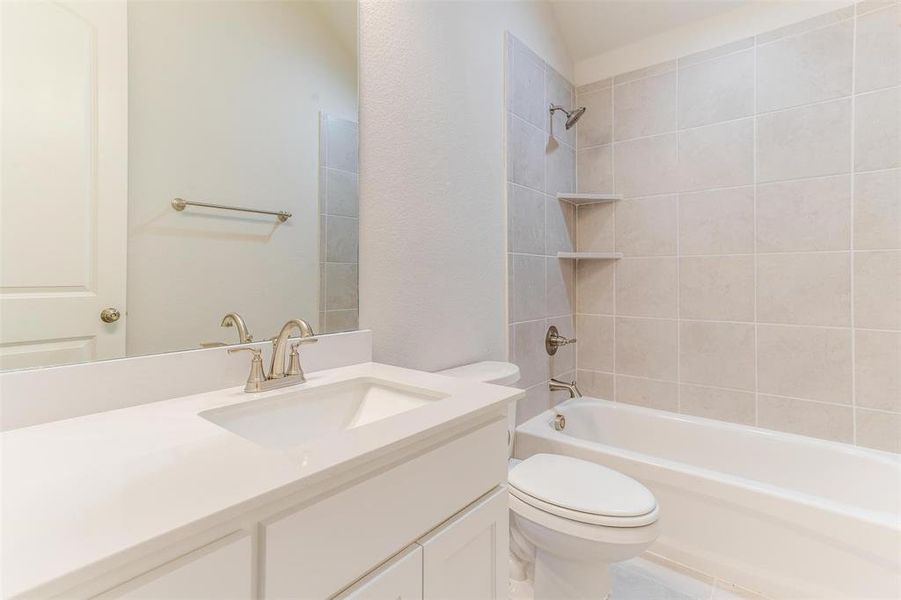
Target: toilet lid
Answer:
[[578, 486]]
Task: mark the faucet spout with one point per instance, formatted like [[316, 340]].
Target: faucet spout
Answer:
[[556, 385], [233, 319], [277, 368]]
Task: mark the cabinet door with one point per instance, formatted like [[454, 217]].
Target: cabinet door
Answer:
[[220, 571], [398, 579], [466, 558]]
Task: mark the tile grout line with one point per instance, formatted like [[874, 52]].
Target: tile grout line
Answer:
[[324, 227], [735, 187], [574, 305], [678, 266], [613, 208], [755, 259], [723, 388], [747, 323], [545, 101], [851, 255]]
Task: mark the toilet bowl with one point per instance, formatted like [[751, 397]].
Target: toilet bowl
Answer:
[[569, 518]]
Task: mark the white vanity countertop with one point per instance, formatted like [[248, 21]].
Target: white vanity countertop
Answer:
[[82, 490]]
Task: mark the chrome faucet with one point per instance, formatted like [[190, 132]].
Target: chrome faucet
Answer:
[[556, 385], [553, 340], [277, 369], [278, 377], [233, 319]]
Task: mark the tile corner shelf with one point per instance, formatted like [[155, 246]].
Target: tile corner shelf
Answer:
[[590, 255], [574, 198]]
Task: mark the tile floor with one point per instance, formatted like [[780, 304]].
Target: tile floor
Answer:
[[650, 577]]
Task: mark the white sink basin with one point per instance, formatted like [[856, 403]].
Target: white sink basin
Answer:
[[294, 417]]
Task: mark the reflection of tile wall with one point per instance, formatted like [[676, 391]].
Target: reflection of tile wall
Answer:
[[761, 282], [540, 162], [339, 225]]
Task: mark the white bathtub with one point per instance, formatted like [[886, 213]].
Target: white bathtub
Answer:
[[785, 515]]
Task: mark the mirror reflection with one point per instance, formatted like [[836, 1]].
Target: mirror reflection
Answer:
[[175, 175]]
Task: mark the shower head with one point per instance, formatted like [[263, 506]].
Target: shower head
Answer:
[[572, 116]]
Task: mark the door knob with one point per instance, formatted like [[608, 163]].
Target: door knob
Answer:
[[110, 315]]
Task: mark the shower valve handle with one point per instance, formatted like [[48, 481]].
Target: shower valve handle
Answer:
[[554, 340]]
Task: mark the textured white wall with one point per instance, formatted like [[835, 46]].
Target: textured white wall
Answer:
[[432, 208]]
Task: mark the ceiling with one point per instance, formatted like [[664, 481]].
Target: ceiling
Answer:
[[592, 27]]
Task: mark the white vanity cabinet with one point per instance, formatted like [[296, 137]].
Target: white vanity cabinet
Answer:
[[463, 559], [219, 571], [427, 521], [466, 558], [316, 550], [398, 579]]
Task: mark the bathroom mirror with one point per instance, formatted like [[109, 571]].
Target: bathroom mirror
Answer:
[[121, 120]]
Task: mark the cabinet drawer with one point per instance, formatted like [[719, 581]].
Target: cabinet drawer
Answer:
[[400, 578], [218, 571], [321, 548]]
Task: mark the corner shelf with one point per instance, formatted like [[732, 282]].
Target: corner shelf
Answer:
[[580, 199], [590, 255]]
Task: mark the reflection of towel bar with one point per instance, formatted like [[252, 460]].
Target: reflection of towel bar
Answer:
[[180, 204]]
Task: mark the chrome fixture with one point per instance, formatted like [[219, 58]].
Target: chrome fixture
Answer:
[[180, 204], [554, 340], [559, 422], [233, 319], [572, 116], [257, 378], [555, 385], [278, 377], [277, 368]]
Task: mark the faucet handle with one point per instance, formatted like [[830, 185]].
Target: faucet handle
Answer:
[[294, 361], [257, 353], [257, 375], [553, 340]]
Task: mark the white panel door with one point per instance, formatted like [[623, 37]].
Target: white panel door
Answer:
[[466, 559], [63, 180], [398, 579]]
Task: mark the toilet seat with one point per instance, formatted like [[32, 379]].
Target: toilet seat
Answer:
[[581, 491], [603, 534]]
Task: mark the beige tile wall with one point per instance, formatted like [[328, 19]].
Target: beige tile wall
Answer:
[[339, 225], [541, 161], [761, 231]]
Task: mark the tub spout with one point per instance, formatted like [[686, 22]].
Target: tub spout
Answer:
[[556, 385]]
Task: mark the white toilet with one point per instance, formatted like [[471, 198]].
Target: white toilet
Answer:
[[569, 518]]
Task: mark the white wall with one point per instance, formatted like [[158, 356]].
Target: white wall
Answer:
[[432, 208], [751, 19], [224, 101]]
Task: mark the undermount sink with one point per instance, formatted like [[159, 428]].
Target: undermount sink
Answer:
[[295, 417]]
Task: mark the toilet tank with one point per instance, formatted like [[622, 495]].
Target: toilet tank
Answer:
[[488, 371], [498, 373]]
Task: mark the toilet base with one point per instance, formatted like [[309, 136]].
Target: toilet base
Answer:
[[566, 579], [566, 560]]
